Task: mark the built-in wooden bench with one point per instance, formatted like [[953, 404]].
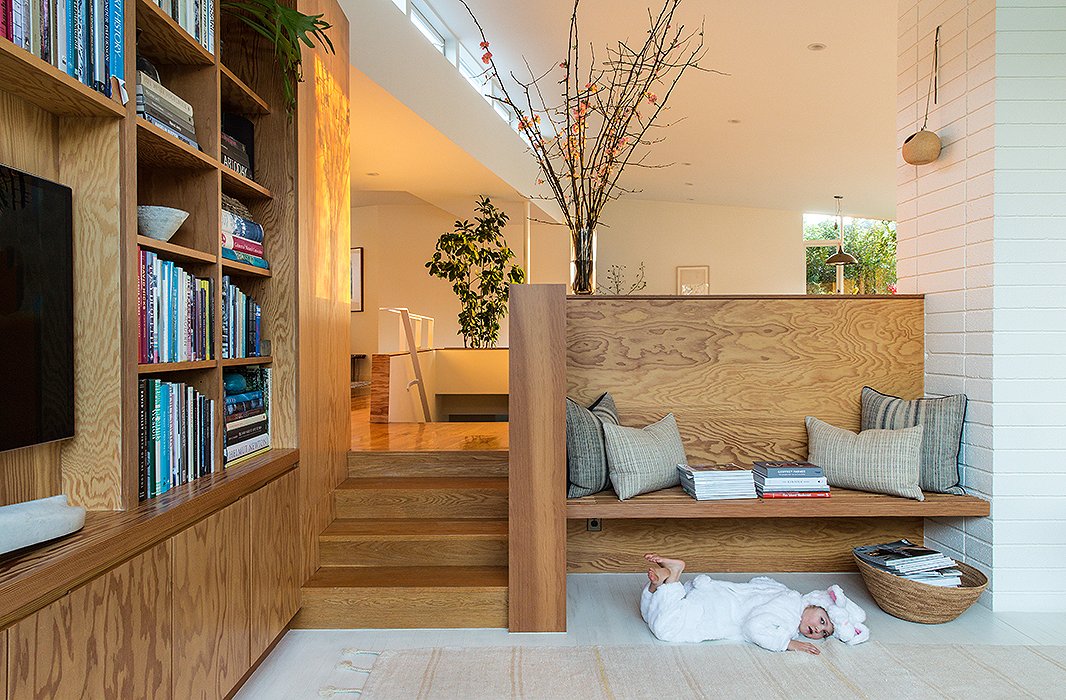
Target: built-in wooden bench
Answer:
[[739, 374], [844, 503]]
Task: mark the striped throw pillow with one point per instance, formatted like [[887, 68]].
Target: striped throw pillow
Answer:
[[941, 420], [586, 459], [641, 460], [881, 461]]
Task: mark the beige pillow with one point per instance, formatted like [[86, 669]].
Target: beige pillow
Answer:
[[881, 461]]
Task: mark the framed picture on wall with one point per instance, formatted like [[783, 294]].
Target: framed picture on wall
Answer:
[[357, 279], [693, 280]]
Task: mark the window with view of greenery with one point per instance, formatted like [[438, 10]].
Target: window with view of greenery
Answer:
[[871, 241]]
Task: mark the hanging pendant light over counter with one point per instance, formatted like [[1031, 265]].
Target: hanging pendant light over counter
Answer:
[[840, 258]]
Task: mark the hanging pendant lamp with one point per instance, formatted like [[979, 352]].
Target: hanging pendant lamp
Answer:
[[840, 257]]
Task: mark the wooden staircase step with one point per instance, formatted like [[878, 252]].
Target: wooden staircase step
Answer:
[[404, 597], [418, 542], [473, 463], [421, 497]]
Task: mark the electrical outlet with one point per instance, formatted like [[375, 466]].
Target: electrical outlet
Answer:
[[593, 524]]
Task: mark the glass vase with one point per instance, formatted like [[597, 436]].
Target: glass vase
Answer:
[[583, 261]]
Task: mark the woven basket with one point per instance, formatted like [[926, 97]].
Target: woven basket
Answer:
[[922, 602]]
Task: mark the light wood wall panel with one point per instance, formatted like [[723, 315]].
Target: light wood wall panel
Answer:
[[537, 472], [274, 555], [84, 155], [107, 639], [324, 187], [740, 374], [787, 544], [210, 604]]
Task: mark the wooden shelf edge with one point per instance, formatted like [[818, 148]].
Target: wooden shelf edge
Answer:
[[241, 186], [244, 268], [157, 367], [190, 157], [32, 79], [153, 21], [247, 361], [33, 579], [251, 99], [177, 251]]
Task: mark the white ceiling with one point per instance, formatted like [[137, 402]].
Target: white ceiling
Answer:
[[812, 124]]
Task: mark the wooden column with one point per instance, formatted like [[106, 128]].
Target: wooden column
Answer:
[[537, 472]]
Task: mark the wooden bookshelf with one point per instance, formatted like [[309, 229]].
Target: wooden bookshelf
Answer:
[[239, 269], [238, 97], [176, 252], [163, 38], [157, 148], [162, 367], [236, 185], [44, 85], [247, 361]]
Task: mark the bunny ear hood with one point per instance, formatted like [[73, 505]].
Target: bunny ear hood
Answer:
[[847, 617]]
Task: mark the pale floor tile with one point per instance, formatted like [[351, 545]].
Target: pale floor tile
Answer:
[[602, 609]]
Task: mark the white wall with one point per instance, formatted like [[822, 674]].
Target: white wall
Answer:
[[1029, 326], [944, 233], [749, 251], [981, 233], [398, 240]]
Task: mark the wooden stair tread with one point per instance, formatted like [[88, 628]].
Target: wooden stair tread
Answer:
[[460, 483], [844, 503], [408, 577], [383, 528]]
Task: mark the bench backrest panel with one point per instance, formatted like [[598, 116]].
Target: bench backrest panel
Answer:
[[741, 373]]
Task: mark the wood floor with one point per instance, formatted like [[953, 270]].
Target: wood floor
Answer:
[[420, 537]]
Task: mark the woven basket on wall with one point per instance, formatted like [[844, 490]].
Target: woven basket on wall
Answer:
[[922, 602]]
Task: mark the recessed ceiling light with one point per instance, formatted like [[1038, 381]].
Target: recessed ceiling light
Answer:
[[816, 46], [373, 174], [689, 184], [734, 121], [689, 199], [686, 163]]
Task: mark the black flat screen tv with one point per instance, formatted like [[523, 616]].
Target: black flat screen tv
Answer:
[[36, 310]]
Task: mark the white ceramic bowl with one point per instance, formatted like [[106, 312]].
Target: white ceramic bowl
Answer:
[[159, 223]]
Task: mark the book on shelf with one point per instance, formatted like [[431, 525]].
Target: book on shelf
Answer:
[[242, 245], [245, 258], [154, 92], [811, 484], [83, 38], [794, 494], [787, 470], [176, 440], [196, 17], [247, 413], [236, 128], [170, 130], [235, 224], [176, 311], [234, 156], [241, 322], [706, 482]]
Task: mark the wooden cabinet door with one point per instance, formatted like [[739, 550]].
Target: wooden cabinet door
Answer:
[[107, 639], [275, 553], [210, 604]]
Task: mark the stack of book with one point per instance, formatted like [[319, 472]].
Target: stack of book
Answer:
[[790, 480], [177, 436], [715, 482], [166, 110], [242, 239], [247, 413], [83, 38], [241, 318], [235, 156], [176, 312], [197, 17], [912, 562]]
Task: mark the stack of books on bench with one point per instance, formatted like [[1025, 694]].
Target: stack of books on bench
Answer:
[[714, 482], [790, 480], [912, 562]]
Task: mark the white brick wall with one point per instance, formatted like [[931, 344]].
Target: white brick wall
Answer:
[[983, 234], [945, 231], [1029, 338]]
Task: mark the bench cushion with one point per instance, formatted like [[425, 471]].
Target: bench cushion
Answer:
[[644, 459], [586, 458], [883, 461]]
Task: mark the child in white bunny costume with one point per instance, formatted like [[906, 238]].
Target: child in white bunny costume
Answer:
[[762, 611]]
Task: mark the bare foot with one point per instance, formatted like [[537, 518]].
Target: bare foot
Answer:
[[674, 566], [657, 576]]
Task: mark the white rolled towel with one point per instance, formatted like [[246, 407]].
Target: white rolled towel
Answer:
[[25, 524]]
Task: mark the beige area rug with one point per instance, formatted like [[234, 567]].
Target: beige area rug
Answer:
[[666, 672]]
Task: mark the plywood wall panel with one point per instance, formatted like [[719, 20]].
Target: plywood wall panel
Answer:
[[324, 187], [752, 545], [275, 555], [740, 374], [210, 604], [107, 639]]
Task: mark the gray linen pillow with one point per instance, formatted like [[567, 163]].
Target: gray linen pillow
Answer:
[[941, 421], [882, 461], [586, 459], [644, 459]]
